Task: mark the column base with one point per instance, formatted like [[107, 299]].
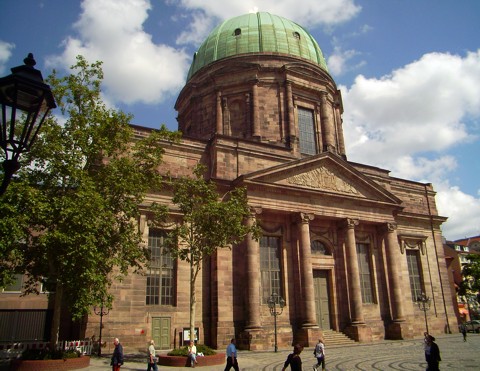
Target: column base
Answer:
[[307, 336], [252, 339], [359, 332], [398, 330]]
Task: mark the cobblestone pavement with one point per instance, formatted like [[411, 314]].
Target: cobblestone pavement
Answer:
[[385, 355]]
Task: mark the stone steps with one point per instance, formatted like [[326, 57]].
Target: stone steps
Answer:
[[334, 338]]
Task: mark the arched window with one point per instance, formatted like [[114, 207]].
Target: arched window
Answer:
[[237, 32], [318, 248]]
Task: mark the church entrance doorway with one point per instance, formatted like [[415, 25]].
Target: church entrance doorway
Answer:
[[322, 298]]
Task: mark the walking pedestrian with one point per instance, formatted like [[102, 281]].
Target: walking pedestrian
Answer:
[[319, 353], [232, 356], [293, 359], [432, 353], [152, 360], [117, 356], [464, 332]]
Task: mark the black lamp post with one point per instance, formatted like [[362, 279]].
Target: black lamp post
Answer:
[[26, 101], [102, 311], [275, 304], [423, 302]]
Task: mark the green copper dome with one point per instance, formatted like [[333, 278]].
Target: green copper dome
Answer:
[[257, 33]]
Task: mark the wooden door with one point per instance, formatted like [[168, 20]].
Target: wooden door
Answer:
[[322, 300], [161, 332]]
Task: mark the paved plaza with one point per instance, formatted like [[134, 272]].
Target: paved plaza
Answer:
[[386, 355]]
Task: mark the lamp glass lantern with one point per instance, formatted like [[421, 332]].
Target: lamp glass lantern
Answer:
[[26, 101]]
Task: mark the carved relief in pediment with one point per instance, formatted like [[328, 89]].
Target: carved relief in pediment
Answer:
[[325, 179]]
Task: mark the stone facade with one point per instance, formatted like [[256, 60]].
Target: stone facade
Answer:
[[351, 246], [239, 117]]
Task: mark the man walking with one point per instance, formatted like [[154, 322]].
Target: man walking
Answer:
[[232, 356]]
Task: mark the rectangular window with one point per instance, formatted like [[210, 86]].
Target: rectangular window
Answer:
[[270, 267], [160, 272], [16, 286], [363, 257], [414, 275], [306, 132]]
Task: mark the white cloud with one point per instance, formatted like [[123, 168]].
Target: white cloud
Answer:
[[135, 68], [420, 108], [311, 13], [200, 26], [5, 54], [463, 213], [338, 61], [413, 117]]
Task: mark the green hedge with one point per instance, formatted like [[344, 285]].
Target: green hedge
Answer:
[[183, 351]]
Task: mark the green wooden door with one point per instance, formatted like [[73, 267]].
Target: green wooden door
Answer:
[[322, 302], [161, 332]]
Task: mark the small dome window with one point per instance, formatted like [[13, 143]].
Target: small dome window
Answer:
[[296, 35], [237, 32]]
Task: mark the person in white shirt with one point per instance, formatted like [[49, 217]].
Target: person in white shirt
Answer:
[[152, 360], [320, 355], [192, 354]]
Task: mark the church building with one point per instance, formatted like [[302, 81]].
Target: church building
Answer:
[[348, 247]]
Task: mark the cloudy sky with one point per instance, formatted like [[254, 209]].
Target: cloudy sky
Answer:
[[409, 72]]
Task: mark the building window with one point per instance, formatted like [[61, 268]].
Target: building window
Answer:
[[363, 257], [237, 32], [306, 128], [270, 266], [296, 35], [16, 285], [318, 248], [414, 275], [160, 272]]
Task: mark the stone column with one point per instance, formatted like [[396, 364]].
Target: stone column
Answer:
[[256, 124], [253, 273], [328, 129], [309, 319], [353, 274], [339, 125], [392, 250], [291, 116], [219, 122]]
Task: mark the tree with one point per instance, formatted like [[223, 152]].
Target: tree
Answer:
[[470, 285], [208, 223], [69, 217]]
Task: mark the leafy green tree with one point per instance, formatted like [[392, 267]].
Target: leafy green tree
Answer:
[[470, 286], [69, 218], [208, 223]]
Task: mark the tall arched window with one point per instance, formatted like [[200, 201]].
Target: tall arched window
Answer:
[[306, 130]]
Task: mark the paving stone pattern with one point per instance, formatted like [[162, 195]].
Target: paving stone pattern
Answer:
[[386, 355]]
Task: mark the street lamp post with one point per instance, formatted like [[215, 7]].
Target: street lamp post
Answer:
[[26, 101], [423, 302], [102, 311], [275, 304]]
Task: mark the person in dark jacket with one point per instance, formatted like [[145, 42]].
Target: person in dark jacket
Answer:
[[294, 360], [432, 353], [117, 356]]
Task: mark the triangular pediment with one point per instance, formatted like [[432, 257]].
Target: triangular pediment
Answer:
[[325, 173]]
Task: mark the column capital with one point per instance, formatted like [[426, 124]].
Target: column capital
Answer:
[[351, 223], [305, 218], [255, 210], [391, 227]]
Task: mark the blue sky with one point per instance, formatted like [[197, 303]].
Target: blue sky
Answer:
[[409, 71]]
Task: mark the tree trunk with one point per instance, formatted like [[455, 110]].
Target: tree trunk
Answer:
[[193, 300], [57, 312]]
